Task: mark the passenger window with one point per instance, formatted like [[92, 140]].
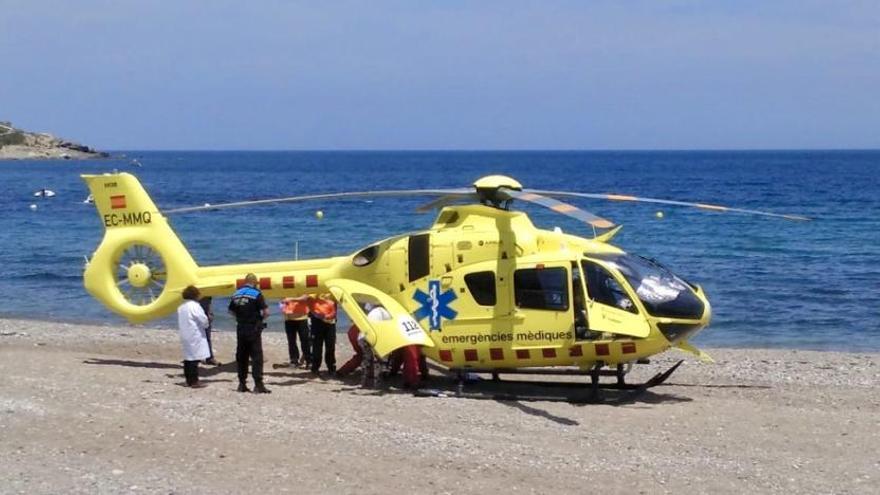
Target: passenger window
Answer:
[[482, 287], [541, 288], [603, 288], [419, 260]]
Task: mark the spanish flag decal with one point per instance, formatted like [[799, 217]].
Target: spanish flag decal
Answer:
[[117, 202]]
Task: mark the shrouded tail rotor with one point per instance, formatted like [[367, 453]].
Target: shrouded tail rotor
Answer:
[[141, 267], [141, 274]]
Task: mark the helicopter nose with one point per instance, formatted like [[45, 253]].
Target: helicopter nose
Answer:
[[707, 315], [676, 332]]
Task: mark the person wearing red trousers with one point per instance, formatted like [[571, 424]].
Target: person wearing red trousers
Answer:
[[363, 353], [415, 368], [355, 361]]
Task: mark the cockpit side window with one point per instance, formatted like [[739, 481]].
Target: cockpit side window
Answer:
[[541, 288], [482, 286], [662, 293], [603, 288]]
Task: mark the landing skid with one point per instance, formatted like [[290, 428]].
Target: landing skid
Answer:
[[595, 385]]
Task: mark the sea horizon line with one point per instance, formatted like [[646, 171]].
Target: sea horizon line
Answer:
[[494, 150]]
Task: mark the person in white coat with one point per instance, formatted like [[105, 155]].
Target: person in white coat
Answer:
[[191, 324]]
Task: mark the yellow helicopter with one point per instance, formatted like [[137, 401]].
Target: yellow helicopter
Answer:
[[482, 289]]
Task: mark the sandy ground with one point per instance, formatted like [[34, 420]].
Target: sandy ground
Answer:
[[102, 410]]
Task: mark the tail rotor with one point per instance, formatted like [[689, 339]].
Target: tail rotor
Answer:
[[141, 274]]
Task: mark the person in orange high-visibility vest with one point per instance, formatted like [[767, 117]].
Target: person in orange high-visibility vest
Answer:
[[296, 324], [322, 319]]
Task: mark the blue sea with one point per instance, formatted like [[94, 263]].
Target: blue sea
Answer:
[[772, 282]]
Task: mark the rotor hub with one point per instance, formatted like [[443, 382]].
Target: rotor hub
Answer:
[[139, 275], [490, 190], [492, 182]]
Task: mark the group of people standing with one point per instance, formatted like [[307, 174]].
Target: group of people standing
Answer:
[[311, 319]]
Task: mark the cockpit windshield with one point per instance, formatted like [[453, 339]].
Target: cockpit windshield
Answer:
[[661, 291]]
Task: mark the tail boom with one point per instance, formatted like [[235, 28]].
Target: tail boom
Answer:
[[141, 267]]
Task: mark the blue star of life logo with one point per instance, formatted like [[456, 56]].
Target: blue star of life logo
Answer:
[[435, 304]]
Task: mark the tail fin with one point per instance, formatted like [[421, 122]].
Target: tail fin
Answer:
[[141, 266]]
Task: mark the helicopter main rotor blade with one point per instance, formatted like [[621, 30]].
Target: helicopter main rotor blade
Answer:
[[560, 207], [314, 197], [638, 199]]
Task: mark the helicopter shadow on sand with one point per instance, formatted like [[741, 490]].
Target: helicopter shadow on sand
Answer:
[[517, 404], [152, 365], [294, 377], [576, 393], [132, 364], [519, 395], [206, 373], [232, 369]]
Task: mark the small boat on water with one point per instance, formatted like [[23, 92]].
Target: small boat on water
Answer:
[[44, 193], [89, 199]]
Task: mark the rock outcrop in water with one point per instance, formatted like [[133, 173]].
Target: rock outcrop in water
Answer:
[[16, 144]]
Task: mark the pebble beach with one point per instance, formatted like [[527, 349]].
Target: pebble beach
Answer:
[[103, 409]]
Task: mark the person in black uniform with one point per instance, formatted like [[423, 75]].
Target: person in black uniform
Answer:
[[250, 309]]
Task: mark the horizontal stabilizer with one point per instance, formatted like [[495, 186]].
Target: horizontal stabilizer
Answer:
[[688, 348]]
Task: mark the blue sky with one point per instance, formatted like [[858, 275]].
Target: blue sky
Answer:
[[444, 74]]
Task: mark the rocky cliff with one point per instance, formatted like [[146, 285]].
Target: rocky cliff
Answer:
[[16, 144]]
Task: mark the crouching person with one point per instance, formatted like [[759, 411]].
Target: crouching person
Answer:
[[354, 336], [363, 352], [363, 355], [191, 325]]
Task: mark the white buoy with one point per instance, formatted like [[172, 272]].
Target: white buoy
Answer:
[[319, 214], [33, 207], [659, 214], [207, 205]]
